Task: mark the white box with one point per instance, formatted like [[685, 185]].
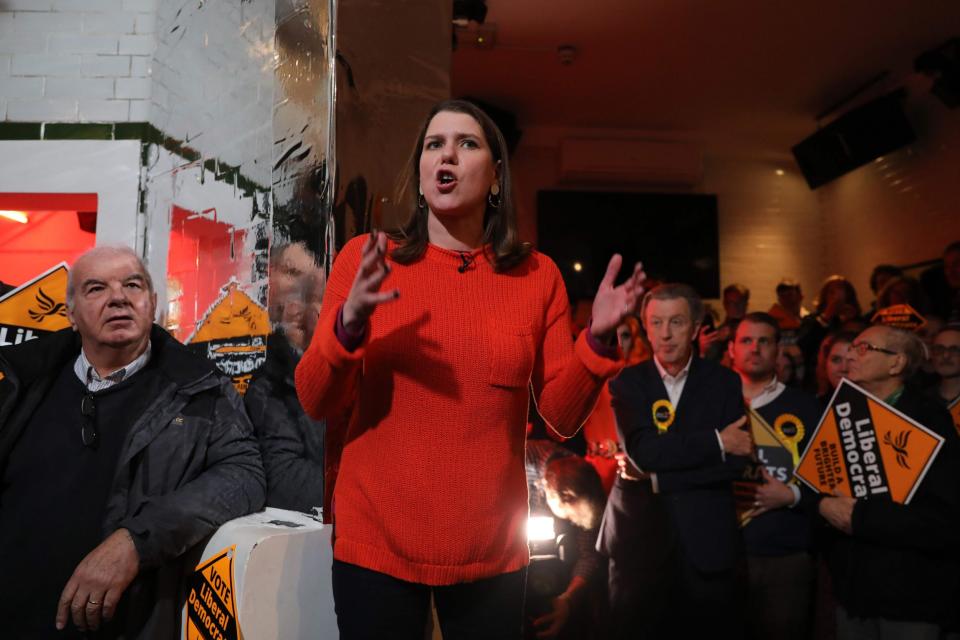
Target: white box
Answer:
[[281, 578]]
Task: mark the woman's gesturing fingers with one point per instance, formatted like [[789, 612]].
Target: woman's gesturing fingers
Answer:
[[365, 293], [612, 305]]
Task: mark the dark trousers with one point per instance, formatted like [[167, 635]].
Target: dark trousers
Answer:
[[675, 600], [780, 596], [371, 605]]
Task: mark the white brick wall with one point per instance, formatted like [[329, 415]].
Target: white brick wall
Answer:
[[212, 77], [94, 66], [22, 88], [67, 88], [140, 66], [149, 6], [76, 60], [133, 88], [45, 64], [104, 110], [42, 110], [139, 45], [139, 110], [109, 23]]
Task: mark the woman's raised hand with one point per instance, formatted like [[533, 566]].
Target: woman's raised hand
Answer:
[[611, 305], [365, 293]]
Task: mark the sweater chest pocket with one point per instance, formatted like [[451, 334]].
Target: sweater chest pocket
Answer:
[[511, 353]]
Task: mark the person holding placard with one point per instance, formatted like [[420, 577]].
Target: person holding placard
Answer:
[[777, 536], [895, 567]]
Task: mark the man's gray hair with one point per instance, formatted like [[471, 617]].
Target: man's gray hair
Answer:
[[103, 251], [910, 345], [673, 291]]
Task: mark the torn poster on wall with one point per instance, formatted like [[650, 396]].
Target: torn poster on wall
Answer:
[[233, 335], [35, 308]]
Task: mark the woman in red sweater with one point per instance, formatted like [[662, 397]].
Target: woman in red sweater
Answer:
[[429, 341]]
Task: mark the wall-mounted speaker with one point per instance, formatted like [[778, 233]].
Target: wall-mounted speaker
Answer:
[[943, 65], [854, 139]]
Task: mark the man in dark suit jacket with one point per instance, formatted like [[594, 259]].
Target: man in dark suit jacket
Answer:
[[670, 529]]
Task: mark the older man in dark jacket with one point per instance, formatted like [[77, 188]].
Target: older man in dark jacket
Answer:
[[291, 442], [119, 452], [896, 567]]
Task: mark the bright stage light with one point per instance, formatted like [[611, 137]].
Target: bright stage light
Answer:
[[16, 216], [540, 528]]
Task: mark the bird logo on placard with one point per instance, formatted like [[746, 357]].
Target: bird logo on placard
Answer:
[[243, 314], [899, 444], [48, 307]]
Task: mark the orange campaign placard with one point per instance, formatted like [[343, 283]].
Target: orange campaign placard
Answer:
[[233, 334], [864, 448], [955, 413], [35, 308], [900, 316], [211, 604]]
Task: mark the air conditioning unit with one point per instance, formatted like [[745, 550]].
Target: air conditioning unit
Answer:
[[586, 160]]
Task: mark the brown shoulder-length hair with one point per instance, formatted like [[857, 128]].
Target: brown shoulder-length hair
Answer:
[[849, 292], [501, 239]]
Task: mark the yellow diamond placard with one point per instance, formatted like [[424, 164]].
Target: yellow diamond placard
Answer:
[[212, 601], [233, 334], [35, 308]]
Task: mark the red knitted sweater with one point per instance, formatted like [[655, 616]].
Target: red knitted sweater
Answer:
[[431, 486]]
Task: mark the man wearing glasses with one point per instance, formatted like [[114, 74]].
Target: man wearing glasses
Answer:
[[119, 451], [945, 355], [895, 567]]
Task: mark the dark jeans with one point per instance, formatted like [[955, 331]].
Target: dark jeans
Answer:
[[780, 598], [675, 600], [371, 605]]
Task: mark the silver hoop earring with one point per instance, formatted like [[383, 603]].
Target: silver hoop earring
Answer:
[[421, 202], [494, 202]]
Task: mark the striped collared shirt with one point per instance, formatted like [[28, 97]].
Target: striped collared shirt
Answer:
[[91, 379]]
